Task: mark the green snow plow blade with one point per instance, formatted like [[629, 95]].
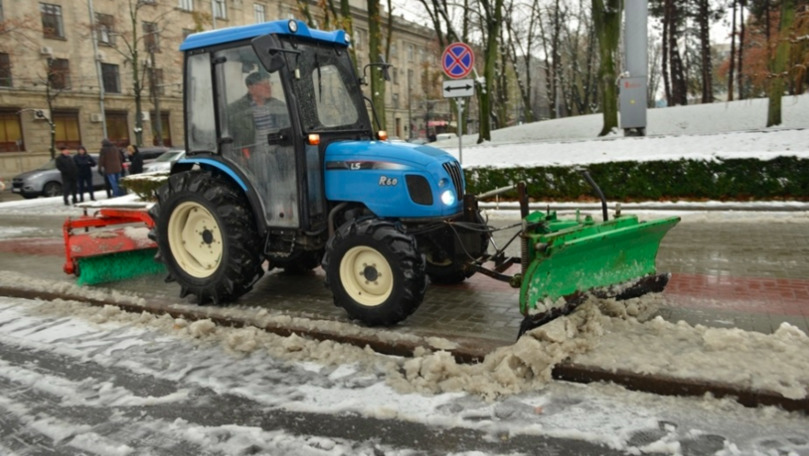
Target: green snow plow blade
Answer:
[[570, 258]]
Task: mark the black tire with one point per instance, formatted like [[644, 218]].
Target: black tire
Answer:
[[445, 265], [52, 189], [387, 290], [206, 236], [447, 273]]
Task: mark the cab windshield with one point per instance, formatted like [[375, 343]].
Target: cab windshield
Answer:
[[328, 90]]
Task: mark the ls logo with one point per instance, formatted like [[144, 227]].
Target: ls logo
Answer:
[[385, 181]]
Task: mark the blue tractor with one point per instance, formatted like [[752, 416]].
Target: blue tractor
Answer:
[[284, 165]]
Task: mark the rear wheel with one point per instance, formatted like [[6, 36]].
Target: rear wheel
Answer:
[[52, 189], [207, 237], [375, 272]]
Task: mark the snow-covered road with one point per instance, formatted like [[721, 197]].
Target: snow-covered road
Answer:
[[99, 381]]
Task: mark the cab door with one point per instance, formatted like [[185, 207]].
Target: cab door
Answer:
[[257, 135]]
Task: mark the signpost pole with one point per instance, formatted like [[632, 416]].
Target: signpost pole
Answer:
[[460, 130]]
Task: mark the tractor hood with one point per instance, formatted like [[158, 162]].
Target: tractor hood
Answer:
[[402, 153], [395, 179]]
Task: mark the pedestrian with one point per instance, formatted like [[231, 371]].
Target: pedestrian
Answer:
[[70, 173], [135, 159], [110, 164], [85, 163]]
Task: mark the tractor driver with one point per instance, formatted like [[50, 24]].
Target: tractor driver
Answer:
[[256, 114]]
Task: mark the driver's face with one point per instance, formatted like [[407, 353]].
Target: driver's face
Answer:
[[261, 89]]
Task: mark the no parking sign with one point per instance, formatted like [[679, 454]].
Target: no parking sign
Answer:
[[458, 60]]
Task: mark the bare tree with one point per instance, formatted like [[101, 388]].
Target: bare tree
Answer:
[[703, 21], [131, 44], [521, 54], [492, 13], [778, 63], [732, 68], [740, 83], [607, 24]]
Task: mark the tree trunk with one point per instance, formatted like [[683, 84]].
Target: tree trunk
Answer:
[[705, 50], [679, 93], [665, 57], [607, 22], [740, 82], [374, 53], [493, 20], [732, 51], [778, 63]]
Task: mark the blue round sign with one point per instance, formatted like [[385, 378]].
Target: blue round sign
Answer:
[[458, 60]]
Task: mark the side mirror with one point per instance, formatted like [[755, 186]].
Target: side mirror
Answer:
[[269, 51], [385, 68]]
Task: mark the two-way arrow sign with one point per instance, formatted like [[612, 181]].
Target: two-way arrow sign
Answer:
[[459, 88]]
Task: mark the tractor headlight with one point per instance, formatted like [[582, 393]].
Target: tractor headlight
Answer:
[[448, 197]]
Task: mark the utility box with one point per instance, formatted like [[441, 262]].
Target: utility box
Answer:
[[632, 88], [632, 98]]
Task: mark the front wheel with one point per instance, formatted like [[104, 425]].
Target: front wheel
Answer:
[[375, 272], [207, 237]]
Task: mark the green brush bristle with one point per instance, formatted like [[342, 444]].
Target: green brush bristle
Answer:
[[118, 266]]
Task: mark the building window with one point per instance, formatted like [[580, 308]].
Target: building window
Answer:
[[187, 5], [159, 87], [5, 70], [151, 38], [66, 129], [359, 38], [220, 9], [51, 20], [165, 132], [111, 78], [10, 132], [59, 75], [2, 17], [117, 127], [105, 29], [259, 13]]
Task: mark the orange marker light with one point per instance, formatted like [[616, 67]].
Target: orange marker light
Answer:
[[382, 135], [314, 139]]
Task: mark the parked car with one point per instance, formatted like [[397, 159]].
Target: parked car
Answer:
[[148, 154], [445, 136], [47, 181], [164, 162]]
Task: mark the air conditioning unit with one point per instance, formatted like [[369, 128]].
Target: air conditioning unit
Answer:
[[96, 118], [46, 50], [144, 116], [41, 114], [100, 56]]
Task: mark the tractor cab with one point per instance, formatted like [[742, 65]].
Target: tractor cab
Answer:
[[267, 107]]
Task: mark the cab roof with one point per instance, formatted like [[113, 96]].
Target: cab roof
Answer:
[[244, 32]]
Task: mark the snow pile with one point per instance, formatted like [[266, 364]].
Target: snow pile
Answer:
[[775, 362], [599, 333]]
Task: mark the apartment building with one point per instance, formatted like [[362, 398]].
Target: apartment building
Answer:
[[74, 68]]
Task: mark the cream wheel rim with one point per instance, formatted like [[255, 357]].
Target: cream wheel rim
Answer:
[[195, 239], [366, 276]]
